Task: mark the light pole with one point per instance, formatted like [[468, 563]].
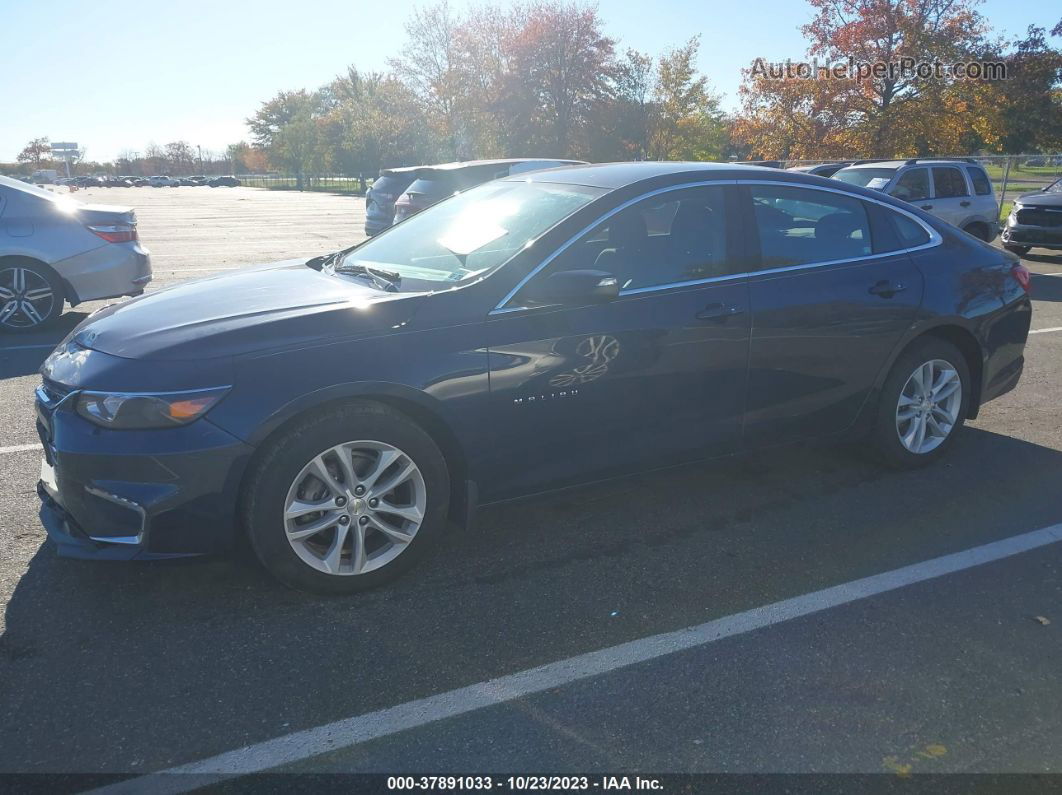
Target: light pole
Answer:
[[200, 148]]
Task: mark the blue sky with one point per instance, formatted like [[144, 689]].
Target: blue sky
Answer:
[[115, 75]]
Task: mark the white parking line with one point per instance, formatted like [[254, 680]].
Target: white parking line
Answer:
[[1045, 330], [341, 734], [20, 448]]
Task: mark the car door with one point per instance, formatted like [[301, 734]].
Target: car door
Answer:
[[653, 377], [951, 196], [831, 293]]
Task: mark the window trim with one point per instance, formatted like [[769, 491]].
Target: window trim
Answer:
[[934, 240]]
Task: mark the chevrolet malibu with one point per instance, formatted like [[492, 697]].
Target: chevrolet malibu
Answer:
[[343, 412]]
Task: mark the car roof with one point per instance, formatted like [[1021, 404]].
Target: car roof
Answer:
[[619, 175]]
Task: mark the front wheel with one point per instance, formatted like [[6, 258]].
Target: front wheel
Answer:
[[923, 404], [346, 500]]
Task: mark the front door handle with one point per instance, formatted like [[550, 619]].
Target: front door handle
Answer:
[[964, 204], [927, 206], [719, 311], [886, 289]]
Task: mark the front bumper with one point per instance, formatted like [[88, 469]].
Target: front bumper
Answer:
[[1016, 234], [108, 271], [122, 495]]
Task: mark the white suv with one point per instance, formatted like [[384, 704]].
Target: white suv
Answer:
[[955, 190], [163, 182]]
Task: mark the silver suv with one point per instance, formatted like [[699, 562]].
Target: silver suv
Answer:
[[955, 190]]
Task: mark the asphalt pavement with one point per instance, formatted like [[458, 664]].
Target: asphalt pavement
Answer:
[[134, 668]]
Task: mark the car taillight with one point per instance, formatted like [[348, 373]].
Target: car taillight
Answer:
[[1022, 276], [115, 233], [403, 207]]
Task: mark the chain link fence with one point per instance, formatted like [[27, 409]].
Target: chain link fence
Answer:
[[334, 183]]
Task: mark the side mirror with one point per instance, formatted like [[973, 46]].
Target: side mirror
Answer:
[[573, 288]]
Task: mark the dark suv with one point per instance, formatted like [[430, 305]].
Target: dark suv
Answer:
[[435, 183], [381, 196], [1035, 220]]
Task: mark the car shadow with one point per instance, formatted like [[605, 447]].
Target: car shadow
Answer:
[[23, 354], [136, 666], [1045, 288], [1047, 259]]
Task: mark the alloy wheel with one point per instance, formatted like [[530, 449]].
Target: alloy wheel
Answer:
[[26, 298], [929, 405], [354, 507]]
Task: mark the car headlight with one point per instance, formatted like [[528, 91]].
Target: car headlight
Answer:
[[137, 410]]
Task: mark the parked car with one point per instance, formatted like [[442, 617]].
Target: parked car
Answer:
[[87, 182], [529, 333], [821, 169], [116, 182], [163, 181], [381, 196], [955, 190], [58, 250], [198, 179], [224, 182], [1035, 220], [434, 183]]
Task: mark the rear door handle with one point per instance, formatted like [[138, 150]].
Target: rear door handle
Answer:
[[719, 311], [927, 206], [964, 204], [886, 289]]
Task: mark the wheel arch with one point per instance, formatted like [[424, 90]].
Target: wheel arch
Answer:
[[963, 339], [414, 404]]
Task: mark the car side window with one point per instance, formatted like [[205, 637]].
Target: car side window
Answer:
[[797, 226], [912, 185], [675, 237], [982, 187], [948, 183], [911, 232]]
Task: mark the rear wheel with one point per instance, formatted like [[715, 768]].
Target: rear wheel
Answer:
[[1021, 251], [923, 404], [347, 500], [31, 296], [978, 230]]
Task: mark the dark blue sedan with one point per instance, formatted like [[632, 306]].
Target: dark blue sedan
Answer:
[[528, 334]]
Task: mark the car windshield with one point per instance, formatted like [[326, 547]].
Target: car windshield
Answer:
[[1054, 187], [468, 235], [874, 178]]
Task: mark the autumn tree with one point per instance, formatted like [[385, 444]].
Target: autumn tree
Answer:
[[1029, 103], [35, 152], [430, 65], [688, 124], [181, 157]]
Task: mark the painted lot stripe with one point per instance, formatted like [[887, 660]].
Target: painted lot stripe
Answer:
[[1045, 330], [20, 448], [382, 723]]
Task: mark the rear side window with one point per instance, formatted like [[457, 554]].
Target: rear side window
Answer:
[[391, 184], [982, 187], [797, 226], [948, 183], [912, 185], [434, 186], [911, 233]]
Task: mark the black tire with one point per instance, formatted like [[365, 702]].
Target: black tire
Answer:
[[266, 488], [885, 435], [43, 275], [978, 230], [1021, 251]]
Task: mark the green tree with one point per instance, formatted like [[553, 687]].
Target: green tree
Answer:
[[688, 123], [35, 152]]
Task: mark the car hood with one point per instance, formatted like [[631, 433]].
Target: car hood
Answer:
[[270, 307], [1041, 199]]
